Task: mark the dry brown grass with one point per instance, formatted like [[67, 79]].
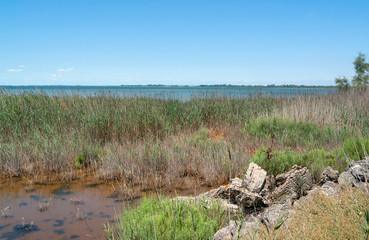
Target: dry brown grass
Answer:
[[324, 217], [345, 109]]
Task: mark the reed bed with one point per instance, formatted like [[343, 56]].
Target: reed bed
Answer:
[[164, 141]]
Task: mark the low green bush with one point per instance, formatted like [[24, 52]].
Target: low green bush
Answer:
[[316, 160], [293, 133], [356, 148], [169, 219], [87, 155]]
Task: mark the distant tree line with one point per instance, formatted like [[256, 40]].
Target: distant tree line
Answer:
[[361, 79]]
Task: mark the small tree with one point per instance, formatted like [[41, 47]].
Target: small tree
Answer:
[[342, 83], [362, 68], [361, 79]]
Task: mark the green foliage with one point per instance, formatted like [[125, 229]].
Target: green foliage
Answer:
[[201, 138], [362, 68], [356, 148], [170, 219], [342, 83], [365, 227], [109, 118], [316, 160], [361, 78], [292, 133], [87, 156]]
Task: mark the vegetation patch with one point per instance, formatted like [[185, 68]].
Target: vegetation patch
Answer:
[[169, 219], [87, 156], [293, 133], [316, 160], [356, 148], [142, 138]]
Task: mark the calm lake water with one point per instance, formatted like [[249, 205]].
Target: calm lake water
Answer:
[[171, 92], [75, 210]]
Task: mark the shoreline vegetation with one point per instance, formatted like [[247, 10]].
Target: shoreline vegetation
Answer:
[[167, 144], [187, 86], [160, 142]]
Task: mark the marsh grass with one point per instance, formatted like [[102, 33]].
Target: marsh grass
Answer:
[[161, 141], [292, 133], [316, 160]]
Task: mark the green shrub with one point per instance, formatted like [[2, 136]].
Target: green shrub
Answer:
[[170, 219], [316, 160], [293, 133], [201, 138], [356, 148], [87, 156]]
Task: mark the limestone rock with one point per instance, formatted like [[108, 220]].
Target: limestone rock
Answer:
[[294, 182], [274, 213], [248, 199], [355, 173], [226, 233], [346, 178], [228, 192], [235, 232], [330, 188], [255, 178], [249, 227], [328, 175]]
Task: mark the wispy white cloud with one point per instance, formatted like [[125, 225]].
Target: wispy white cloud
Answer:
[[15, 70], [65, 69], [21, 66], [56, 75]]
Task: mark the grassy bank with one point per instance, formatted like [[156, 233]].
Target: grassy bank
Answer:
[[344, 216], [163, 142], [169, 219]]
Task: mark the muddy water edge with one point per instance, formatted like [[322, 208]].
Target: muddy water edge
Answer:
[[73, 210]]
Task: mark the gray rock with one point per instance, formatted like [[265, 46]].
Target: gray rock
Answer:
[[355, 173], [270, 184], [248, 199], [248, 228], [226, 233], [328, 175], [235, 232], [293, 183], [235, 193], [228, 192], [330, 188], [255, 178], [346, 178], [360, 170], [274, 213], [236, 182]]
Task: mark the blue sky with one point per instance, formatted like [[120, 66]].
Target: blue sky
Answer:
[[89, 42]]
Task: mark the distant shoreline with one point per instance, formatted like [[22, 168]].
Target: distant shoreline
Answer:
[[173, 86]]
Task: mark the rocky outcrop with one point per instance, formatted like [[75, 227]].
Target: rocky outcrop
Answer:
[[293, 183], [328, 175], [278, 194], [248, 199], [255, 178], [234, 231], [235, 193], [355, 173]]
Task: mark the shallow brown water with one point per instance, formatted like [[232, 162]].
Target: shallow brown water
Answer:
[[62, 211]]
